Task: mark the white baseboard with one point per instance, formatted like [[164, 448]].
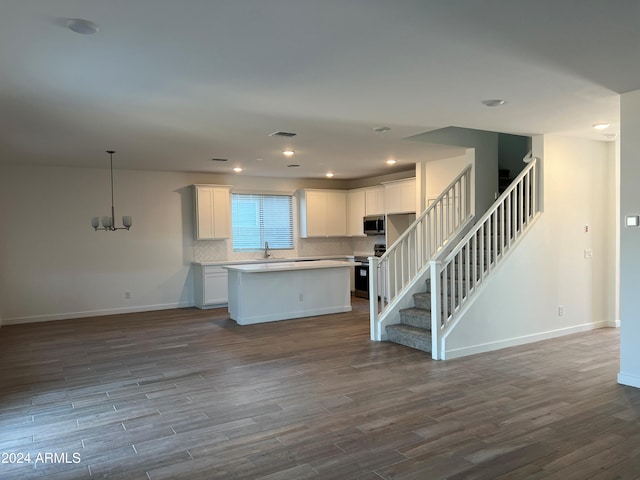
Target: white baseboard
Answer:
[[613, 323], [513, 342], [629, 380], [274, 317], [93, 313]]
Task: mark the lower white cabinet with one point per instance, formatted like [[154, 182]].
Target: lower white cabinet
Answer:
[[210, 286]]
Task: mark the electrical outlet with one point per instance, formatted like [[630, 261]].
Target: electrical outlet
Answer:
[[560, 311], [127, 295], [588, 254]]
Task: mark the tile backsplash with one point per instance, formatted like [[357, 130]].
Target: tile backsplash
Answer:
[[212, 250]]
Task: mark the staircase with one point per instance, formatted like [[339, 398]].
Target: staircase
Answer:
[[456, 275], [414, 329], [396, 274]]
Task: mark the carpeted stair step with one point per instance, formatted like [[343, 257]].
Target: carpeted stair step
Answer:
[[416, 317], [422, 300], [409, 336]]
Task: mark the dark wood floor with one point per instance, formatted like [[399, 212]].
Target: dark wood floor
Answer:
[[188, 394]]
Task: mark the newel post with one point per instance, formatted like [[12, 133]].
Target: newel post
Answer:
[[373, 299], [436, 308]]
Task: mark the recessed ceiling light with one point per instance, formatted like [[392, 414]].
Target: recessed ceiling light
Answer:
[[237, 169], [381, 129], [392, 161], [495, 102], [601, 126], [329, 174], [259, 159], [82, 26], [288, 152]]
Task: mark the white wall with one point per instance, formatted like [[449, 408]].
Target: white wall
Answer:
[[53, 265], [548, 269], [440, 173], [485, 159], [629, 240]]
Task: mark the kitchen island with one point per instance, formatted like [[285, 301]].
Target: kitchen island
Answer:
[[268, 292]]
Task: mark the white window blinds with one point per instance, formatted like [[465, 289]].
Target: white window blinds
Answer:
[[257, 218]]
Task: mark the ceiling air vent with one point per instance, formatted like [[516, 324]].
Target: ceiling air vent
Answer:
[[282, 134], [219, 159]]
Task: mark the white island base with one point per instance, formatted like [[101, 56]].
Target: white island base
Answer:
[[267, 292]]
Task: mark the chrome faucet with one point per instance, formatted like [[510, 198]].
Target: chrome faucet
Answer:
[[266, 250]]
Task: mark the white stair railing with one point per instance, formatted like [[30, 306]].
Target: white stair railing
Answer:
[[455, 280], [391, 273]]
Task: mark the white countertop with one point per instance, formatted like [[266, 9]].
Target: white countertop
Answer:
[[288, 266], [272, 260]]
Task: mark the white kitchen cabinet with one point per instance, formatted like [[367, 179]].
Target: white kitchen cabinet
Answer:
[[336, 214], [213, 212], [315, 214], [375, 200], [210, 286], [400, 196], [355, 212], [323, 213]]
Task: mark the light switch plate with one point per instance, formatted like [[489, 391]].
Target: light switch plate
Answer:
[[632, 221]]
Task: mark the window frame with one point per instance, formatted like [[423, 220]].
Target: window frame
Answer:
[[282, 241]]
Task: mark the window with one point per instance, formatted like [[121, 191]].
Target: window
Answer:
[[256, 219]]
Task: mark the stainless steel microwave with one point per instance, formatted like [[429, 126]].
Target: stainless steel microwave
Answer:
[[373, 225]]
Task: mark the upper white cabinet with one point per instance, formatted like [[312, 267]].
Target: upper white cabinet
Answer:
[[213, 212], [400, 196], [323, 213], [375, 200], [355, 212]]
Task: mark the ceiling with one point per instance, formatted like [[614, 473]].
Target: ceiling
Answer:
[[171, 85]]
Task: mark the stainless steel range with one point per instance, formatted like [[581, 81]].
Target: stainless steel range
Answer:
[[362, 271]]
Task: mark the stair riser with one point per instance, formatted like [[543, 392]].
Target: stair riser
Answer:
[[421, 300], [408, 340], [418, 321]]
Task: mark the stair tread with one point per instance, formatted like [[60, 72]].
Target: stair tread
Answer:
[[422, 312]]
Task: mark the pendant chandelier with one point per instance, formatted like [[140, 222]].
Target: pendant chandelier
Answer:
[[108, 223]]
